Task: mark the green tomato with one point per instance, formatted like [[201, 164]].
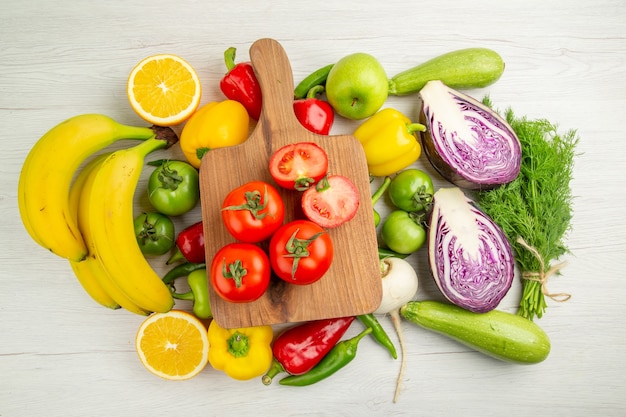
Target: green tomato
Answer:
[[412, 190], [403, 232], [155, 233], [174, 188]]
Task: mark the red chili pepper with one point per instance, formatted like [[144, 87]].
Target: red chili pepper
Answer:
[[314, 114], [189, 245], [300, 348], [240, 84]]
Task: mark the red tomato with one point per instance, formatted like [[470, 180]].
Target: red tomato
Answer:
[[240, 272], [253, 212], [298, 165], [301, 252], [332, 202]]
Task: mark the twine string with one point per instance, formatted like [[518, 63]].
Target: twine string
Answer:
[[542, 276]]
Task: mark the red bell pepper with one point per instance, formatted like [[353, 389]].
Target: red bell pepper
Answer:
[[314, 114], [189, 245], [300, 348], [240, 84]]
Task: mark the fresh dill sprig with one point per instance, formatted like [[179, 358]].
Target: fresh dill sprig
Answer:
[[537, 205]]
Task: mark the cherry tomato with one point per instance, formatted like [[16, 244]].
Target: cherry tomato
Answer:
[[174, 187], [240, 272], [412, 190], [298, 165], [253, 211], [332, 202], [300, 252], [403, 232]]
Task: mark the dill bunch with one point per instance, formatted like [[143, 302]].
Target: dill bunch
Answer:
[[537, 205]]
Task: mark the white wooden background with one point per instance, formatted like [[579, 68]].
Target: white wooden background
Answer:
[[62, 355]]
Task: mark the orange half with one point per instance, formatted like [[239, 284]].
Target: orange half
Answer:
[[173, 345], [164, 89]]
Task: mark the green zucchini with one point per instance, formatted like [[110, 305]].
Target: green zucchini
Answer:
[[505, 336], [461, 69]]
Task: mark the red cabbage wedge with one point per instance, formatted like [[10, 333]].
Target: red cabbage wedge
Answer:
[[469, 144], [470, 257]]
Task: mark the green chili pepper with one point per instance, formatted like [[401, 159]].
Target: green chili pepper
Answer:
[[317, 77], [388, 253], [379, 333], [199, 284], [339, 356], [182, 270], [199, 292], [377, 195]]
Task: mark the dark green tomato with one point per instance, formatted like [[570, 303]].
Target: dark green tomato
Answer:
[[174, 188], [403, 232], [155, 233], [412, 190]]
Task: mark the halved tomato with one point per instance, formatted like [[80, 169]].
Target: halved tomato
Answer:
[[332, 202], [297, 166]]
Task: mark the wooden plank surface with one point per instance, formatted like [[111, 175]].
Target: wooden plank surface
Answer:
[[62, 355]]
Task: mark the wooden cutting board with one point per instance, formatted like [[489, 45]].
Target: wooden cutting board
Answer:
[[352, 285]]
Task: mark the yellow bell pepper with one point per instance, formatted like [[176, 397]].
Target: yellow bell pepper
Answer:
[[389, 142], [214, 125], [242, 353]]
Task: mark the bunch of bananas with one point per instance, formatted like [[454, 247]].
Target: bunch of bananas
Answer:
[[88, 220]]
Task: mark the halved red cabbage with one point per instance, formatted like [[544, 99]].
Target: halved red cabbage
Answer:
[[469, 144], [470, 257]]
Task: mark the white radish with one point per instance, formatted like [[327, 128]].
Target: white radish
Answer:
[[400, 285]]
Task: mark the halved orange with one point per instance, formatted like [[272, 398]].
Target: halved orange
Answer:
[[173, 345], [164, 89]]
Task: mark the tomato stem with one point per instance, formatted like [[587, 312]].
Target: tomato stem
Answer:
[[254, 204], [169, 178], [322, 185], [298, 248], [234, 271], [303, 184]]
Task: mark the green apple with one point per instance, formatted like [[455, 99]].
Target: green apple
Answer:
[[357, 86]]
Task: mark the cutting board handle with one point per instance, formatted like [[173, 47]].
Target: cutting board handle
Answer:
[[273, 71]]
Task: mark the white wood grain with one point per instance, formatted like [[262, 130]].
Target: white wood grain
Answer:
[[62, 355]]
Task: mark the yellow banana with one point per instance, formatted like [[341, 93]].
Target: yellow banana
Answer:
[[81, 185], [111, 227], [47, 174], [84, 269], [21, 205], [80, 202], [89, 282]]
